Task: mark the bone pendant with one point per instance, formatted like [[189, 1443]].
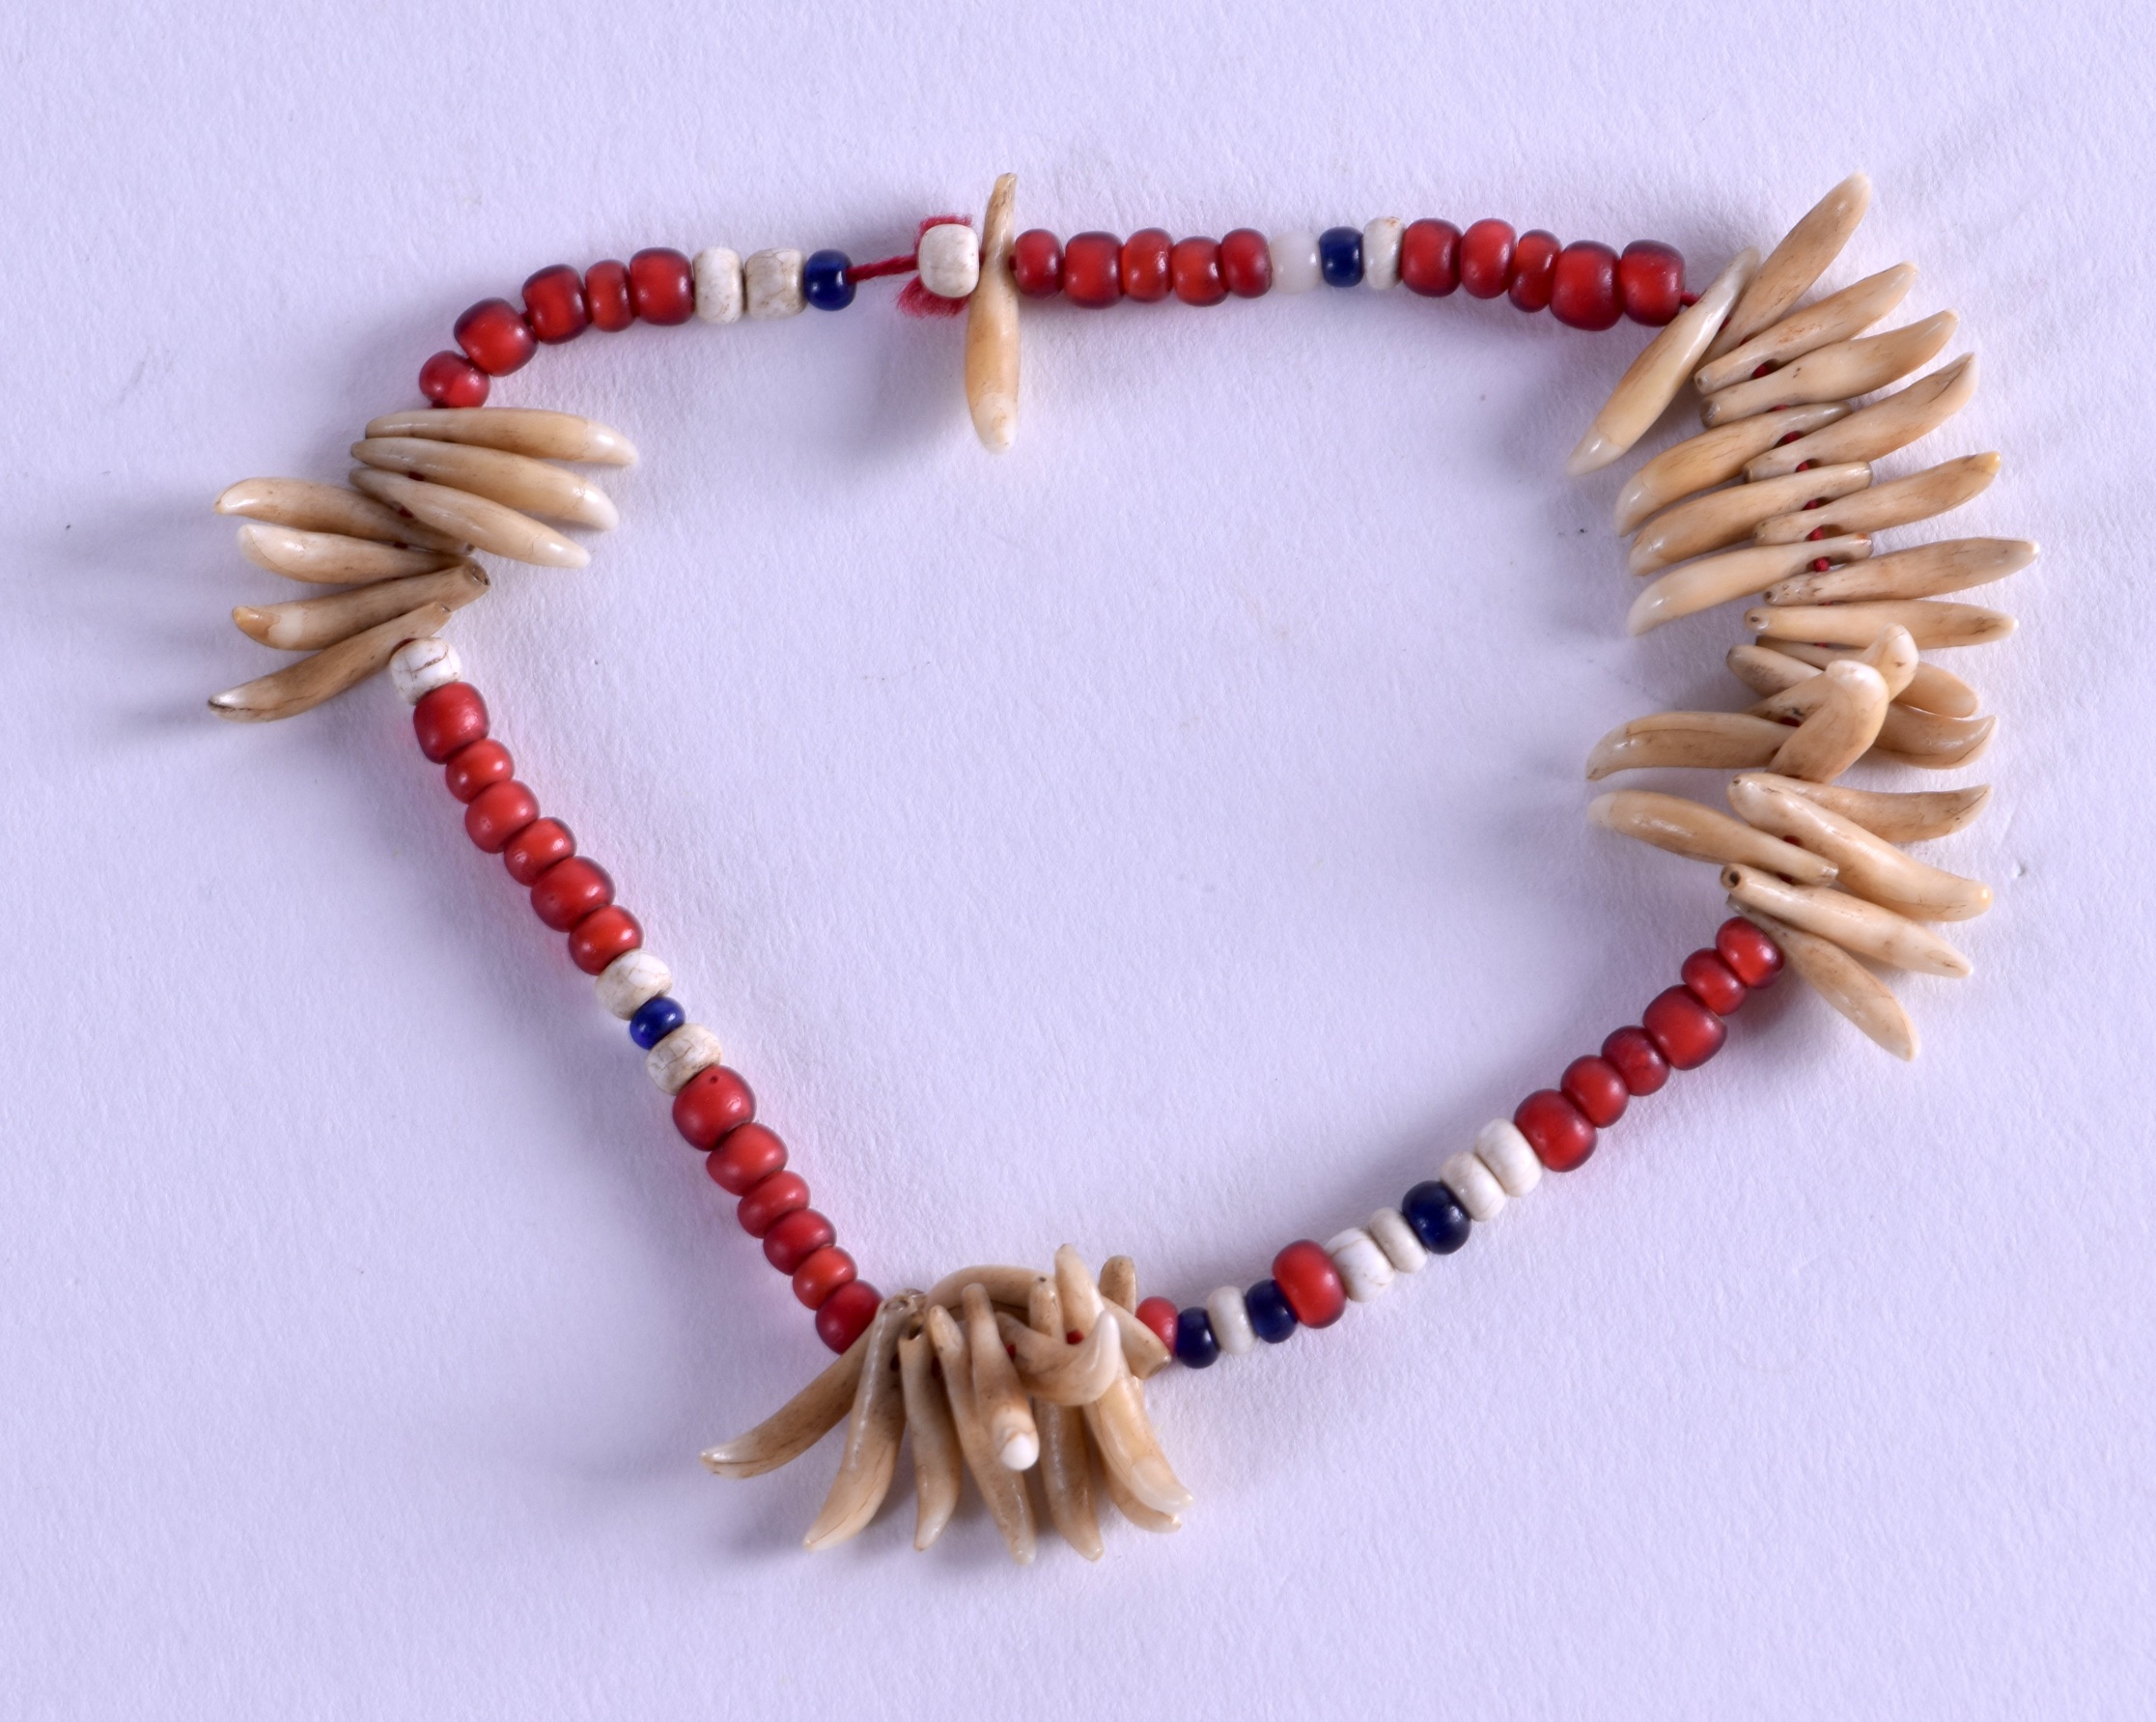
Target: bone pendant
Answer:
[[1686, 827], [489, 526], [1729, 574], [1003, 1489], [1837, 317], [309, 507], [1898, 817], [1931, 688], [1712, 458], [514, 430], [1893, 655], [1130, 1451], [1841, 730], [939, 1468], [1724, 517], [1932, 623], [872, 1432], [1916, 497], [1863, 929], [307, 624], [1881, 427], [1793, 266], [1842, 980], [1836, 372], [331, 559], [1718, 741], [797, 1425], [992, 324], [303, 686], [1065, 1454], [1001, 1401], [1119, 1282], [515, 481], [1869, 866], [1928, 571]]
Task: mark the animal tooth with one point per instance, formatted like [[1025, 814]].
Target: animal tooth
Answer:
[[1928, 571], [1008, 1287], [1066, 1456], [1842, 980], [1001, 1399], [1864, 930], [872, 1432], [515, 430], [1130, 1451], [1081, 1302], [1836, 318], [1893, 655], [1841, 730], [937, 1466], [1930, 688], [1932, 623], [1916, 497], [1144, 1518], [1932, 743], [306, 623], [1003, 1489], [1082, 1373], [1652, 379], [1880, 429], [515, 481], [1869, 866], [1730, 575], [1836, 372], [1793, 266], [992, 324], [1713, 457], [1720, 517], [797, 1425], [1691, 828], [1720, 741], [310, 507], [332, 559], [301, 686], [491, 527], [1119, 1282], [1898, 816]]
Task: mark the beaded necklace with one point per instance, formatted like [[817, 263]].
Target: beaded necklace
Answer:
[[1005, 1374]]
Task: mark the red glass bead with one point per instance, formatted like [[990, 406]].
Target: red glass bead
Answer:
[[554, 304], [607, 295], [1247, 263], [449, 718], [602, 936], [661, 285], [497, 814], [1755, 958], [1557, 1130], [1310, 1283], [745, 1156], [451, 379], [569, 891], [1159, 1314], [793, 1237], [769, 1201], [1685, 1030], [1651, 281], [1598, 1089], [1144, 265], [845, 1314], [1194, 270], [1585, 293], [495, 337], [1713, 982], [536, 848], [1534, 269], [1093, 270], [1430, 258], [1037, 264], [1635, 1057], [1486, 259], [713, 1102], [477, 766], [822, 1274]]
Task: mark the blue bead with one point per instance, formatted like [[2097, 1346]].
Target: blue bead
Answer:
[[1270, 1318], [823, 282], [655, 1020], [1436, 1217], [1340, 256], [1194, 1344]]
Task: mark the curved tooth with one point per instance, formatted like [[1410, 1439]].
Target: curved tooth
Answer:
[[1836, 372], [1008, 1287], [1932, 623], [1719, 741], [1869, 866], [1932, 743], [1724, 517], [515, 430], [1893, 655], [1003, 1489], [491, 527], [1863, 929], [1928, 571], [1126, 1503], [1690, 829], [1652, 379], [1930, 688], [310, 507], [1714, 456], [1083, 1304], [1842, 980], [306, 623], [1130, 1451], [872, 1432], [1898, 816], [992, 324], [1883, 427], [1836, 318], [515, 481], [1730, 575], [1916, 497], [1066, 1455], [301, 686], [1001, 1399], [1841, 730], [1083, 1371], [1794, 265], [1119, 1282], [332, 559], [797, 1425], [938, 1467]]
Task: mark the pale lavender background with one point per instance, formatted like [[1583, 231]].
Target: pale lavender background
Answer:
[[1167, 837]]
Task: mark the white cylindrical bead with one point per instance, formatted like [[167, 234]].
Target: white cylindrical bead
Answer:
[[1508, 1155], [1230, 1317], [1364, 1271], [772, 282], [1294, 261], [419, 666], [949, 259], [1381, 252], [631, 981], [690, 1048], [1397, 1239], [719, 290], [1475, 1184]]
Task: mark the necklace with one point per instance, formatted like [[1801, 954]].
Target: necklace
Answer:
[[1004, 1373]]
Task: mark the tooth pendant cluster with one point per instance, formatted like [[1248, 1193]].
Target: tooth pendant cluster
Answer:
[[1776, 502], [1028, 1382]]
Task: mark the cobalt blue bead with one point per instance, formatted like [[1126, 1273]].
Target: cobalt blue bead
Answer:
[[655, 1020], [1270, 1318], [1194, 1344], [1436, 1217], [823, 282], [1340, 256]]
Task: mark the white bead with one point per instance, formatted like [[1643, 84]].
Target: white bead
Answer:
[[1475, 1184], [773, 281], [1230, 1317], [949, 259], [421, 666], [1507, 1154], [1364, 1271], [690, 1048], [631, 981], [1381, 252], [719, 290], [1294, 261], [1397, 1239]]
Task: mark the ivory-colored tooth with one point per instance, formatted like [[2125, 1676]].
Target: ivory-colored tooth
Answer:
[[1864, 930], [1144, 1518], [1011, 1429], [1842, 982], [937, 1466], [1009, 1288], [1690, 829], [1003, 1488], [1081, 1374], [1836, 372], [1893, 655], [797, 1425], [1930, 688], [1844, 728], [1927, 571], [1878, 430], [1712, 458], [308, 624], [303, 686], [1142, 1349], [1119, 1282], [1932, 623], [515, 481], [1720, 517], [1130, 1449], [331, 559], [1793, 266], [872, 1433], [1936, 743], [1719, 741], [514, 430], [1869, 866], [489, 526], [1917, 498], [306, 506], [1652, 379], [1033, 1355], [1730, 575], [1836, 318], [1899, 816], [992, 324], [1066, 1455]]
